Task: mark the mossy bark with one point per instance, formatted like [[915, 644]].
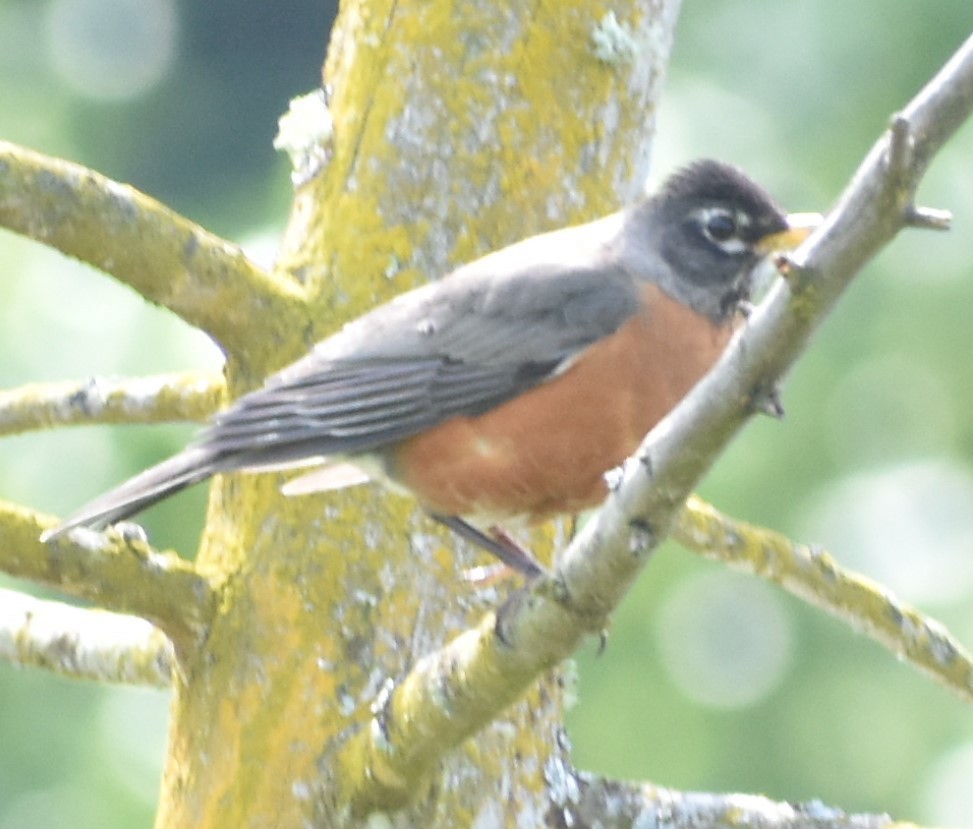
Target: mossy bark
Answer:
[[459, 127]]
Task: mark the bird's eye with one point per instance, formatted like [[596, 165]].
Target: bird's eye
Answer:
[[720, 226], [724, 228]]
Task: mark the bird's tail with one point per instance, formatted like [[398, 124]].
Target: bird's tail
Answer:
[[185, 469]]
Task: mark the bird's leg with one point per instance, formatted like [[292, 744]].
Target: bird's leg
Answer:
[[496, 542], [501, 536], [489, 574]]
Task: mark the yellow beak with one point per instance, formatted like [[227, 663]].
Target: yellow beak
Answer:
[[799, 227]]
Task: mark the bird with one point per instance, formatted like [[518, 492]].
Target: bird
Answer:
[[504, 392]]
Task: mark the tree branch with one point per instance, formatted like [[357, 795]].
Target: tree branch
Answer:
[[812, 575], [164, 398], [117, 573], [589, 800], [169, 260], [449, 694], [82, 643]]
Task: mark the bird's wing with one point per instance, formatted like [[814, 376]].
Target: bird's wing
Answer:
[[462, 346], [487, 332]]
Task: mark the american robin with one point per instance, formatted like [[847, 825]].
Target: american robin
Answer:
[[506, 390]]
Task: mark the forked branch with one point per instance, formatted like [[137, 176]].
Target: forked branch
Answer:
[[115, 572]]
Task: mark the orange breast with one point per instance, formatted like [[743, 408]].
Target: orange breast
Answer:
[[546, 451]]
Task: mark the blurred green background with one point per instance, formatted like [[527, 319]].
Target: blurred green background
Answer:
[[711, 681]]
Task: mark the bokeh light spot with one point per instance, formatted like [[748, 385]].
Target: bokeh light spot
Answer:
[[910, 527], [112, 49], [725, 640]]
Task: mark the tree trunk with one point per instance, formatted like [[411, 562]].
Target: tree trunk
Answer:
[[458, 128]]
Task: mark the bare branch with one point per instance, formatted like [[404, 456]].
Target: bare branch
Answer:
[[169, 260], [815, 577], [117, 573], [942, 106], [591, 800], [449, 694], [82, 643], [163, 398]]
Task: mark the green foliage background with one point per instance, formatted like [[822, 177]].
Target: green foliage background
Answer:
[[711, 681]]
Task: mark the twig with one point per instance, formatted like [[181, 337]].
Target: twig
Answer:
[[117, 573], [169, 260], [815, 577], [163, 398], [82, 643]]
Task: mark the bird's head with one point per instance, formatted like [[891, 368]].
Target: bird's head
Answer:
[[711, 223]]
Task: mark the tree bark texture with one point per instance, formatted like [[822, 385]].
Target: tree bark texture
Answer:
[[458, 128]]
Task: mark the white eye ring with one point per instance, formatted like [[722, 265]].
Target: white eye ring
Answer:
[[721, 226]]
